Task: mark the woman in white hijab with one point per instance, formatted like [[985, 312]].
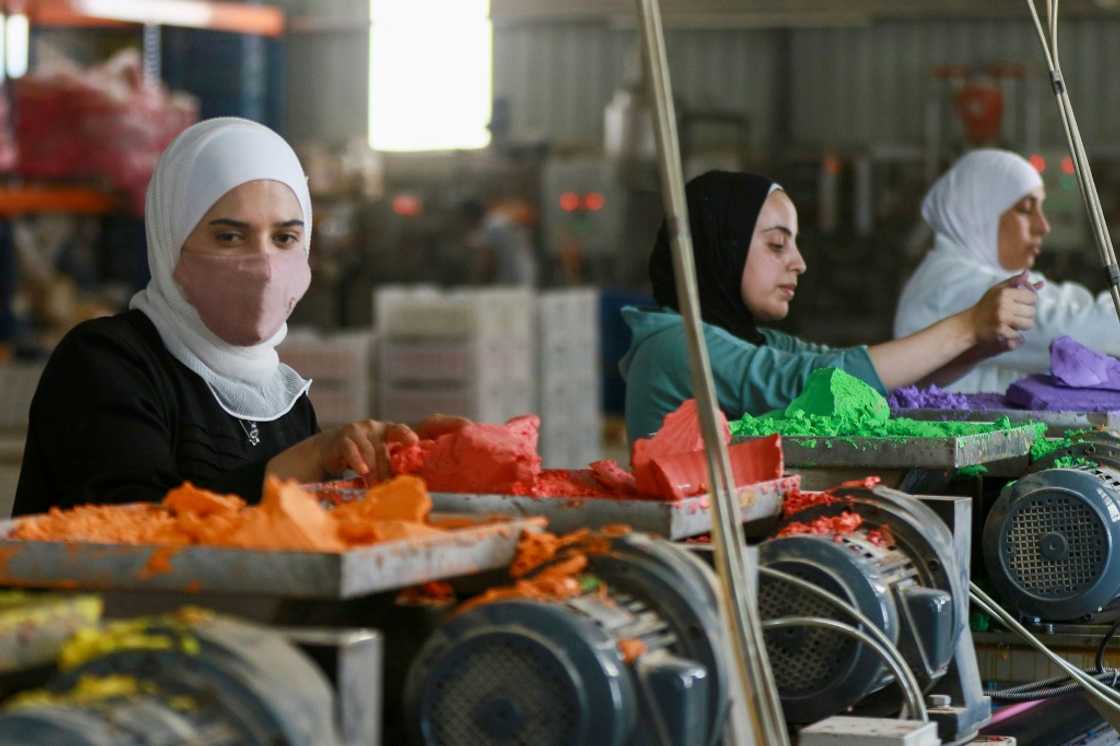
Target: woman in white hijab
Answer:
[[187, 384], [986, 213]]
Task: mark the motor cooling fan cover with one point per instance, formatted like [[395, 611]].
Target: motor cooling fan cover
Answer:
[[1051, 543]]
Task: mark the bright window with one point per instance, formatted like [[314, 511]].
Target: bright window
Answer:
[[429, 76]]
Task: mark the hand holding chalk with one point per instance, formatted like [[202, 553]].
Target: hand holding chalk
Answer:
[[1005, 312], [1023, 280]]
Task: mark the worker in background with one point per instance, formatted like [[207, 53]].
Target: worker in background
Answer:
[[986, 213], [744, 235], [186, 385], [503, 252]]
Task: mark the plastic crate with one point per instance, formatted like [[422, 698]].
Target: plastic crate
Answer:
[[424, 311], [340, 367], [461, 360], [410, 403], [453, 360]]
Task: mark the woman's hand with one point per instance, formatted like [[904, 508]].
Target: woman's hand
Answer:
[[1003, 313], [440, 424], [943, 352], [362, 446]]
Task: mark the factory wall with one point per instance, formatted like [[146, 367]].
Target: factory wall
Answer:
[[328, 69], [558, 77], [328, 83], [838, 86], [813, 87], [870, 84]]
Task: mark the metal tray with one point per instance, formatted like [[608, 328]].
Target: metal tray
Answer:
[[894, 453], [678, 519], [321, 575], [1057, 421]]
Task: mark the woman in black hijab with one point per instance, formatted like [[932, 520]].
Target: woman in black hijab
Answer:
[[744, 236]]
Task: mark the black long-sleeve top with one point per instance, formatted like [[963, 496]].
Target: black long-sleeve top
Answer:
[[117, 419]]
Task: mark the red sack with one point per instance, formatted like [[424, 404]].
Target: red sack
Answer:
[[105, 123]]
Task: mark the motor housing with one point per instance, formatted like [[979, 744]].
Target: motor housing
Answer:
[[555, 674], [218, 681], [897, 568], [1052, 544]]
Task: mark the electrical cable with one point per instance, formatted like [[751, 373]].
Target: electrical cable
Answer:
[[913, 704], [1032, 685], [1109, 697], [986, 604], [909, 681], [1104, 643], [1033, 691], [1057, 686]]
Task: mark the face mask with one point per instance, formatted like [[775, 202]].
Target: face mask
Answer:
[[244, 299]]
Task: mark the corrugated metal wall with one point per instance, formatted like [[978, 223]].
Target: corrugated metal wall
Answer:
[[846, 86], [558, 78], [328, 85], [871, 84], [328, 69]]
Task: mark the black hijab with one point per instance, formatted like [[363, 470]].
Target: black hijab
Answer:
[[723, 208]]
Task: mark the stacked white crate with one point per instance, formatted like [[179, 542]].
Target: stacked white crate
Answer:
[[569, 377], [340, 366], [465, 352]]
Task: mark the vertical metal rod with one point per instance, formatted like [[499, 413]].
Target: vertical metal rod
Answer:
[[151, 52], [1085, 182], [736, 578]]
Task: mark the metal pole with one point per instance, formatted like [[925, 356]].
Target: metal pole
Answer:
[[1085, 182], [738, 593], [151, 52]]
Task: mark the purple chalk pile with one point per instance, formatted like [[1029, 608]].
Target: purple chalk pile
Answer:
[[1081, 380]]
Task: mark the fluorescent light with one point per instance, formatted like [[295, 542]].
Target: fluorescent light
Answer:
[[3, 45], [16, 33], [430, 74]]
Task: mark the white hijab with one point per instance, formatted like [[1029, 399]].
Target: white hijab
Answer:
[[197, 169], [964, 206]]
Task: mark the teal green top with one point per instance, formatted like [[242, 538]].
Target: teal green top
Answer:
[[749, 378]]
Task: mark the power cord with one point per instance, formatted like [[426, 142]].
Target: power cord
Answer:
[[1109, 696], [1057, 686]]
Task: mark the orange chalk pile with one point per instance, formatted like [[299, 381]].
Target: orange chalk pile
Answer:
[[288, 519]]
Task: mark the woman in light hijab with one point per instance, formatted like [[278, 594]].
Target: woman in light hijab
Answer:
[[744, 235], [186, 385], [986, 213]]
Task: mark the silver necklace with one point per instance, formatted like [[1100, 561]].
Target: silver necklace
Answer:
[[251, 432]]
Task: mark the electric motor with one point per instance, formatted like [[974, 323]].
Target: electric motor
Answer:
[[1052, 544], [220, 682], [897, 567], [557, 674]]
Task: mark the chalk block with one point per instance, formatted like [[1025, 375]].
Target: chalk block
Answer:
[[1042, 392], [1075, 365]]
